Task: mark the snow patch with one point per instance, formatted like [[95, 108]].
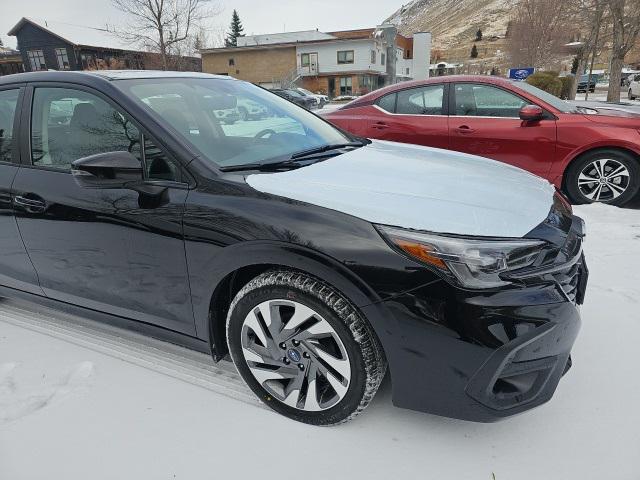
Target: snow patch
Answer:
[[19, 397]]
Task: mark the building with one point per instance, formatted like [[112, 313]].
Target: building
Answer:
[[350, 62], [73, 47], [10, 61]]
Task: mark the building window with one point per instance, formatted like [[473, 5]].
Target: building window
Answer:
[[407, 70], [345, 86], [345, 56], [304, 60], [373, 57], [36, 60], [63, 58], [232, 62], [366, 84], [382, 59]]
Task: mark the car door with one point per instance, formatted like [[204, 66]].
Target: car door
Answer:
[[16, 270], [115, 250], [485, 121], [635, 85], [414, 115]]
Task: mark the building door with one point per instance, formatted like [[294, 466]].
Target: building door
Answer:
[[313, 63], [332, 87]]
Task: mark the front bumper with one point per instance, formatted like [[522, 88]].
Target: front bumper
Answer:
[[477, 357]]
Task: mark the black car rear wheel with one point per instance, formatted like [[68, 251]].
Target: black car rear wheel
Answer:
[[303, 349], [605, 176]]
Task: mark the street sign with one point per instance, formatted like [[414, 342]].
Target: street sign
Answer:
[[520, 73]]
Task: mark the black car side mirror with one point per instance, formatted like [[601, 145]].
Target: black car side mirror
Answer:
[[107, 170]]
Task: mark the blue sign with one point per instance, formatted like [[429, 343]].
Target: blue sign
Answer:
[[520, 73]]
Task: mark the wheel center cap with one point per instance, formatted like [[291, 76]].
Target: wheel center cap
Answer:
[[294, 355], [603, 180]]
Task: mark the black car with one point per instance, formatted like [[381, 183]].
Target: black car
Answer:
[[584, 80], [296, 97], [314, 258]]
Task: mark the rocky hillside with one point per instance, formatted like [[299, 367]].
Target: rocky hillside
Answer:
[[453, 22]]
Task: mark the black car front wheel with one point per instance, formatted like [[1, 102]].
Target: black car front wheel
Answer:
[[303, 348], [606, 176]]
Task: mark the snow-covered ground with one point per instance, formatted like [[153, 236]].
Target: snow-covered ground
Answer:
[[80, 400]]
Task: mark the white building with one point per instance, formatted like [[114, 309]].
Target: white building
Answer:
[[348, 62]]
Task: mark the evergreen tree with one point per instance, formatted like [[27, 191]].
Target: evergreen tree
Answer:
[[236, 30], [478, 35], [474, 52], [574, 65]]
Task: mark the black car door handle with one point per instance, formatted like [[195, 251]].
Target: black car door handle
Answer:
[[33, 205], [380, 125]]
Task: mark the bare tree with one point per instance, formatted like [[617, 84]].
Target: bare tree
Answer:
[[625, 18], [162, 26], [536, 31], [590, 20]]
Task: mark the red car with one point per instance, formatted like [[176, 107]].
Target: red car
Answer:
[[593, 156]]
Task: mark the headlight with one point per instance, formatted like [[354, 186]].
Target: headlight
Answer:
[[473, 262]]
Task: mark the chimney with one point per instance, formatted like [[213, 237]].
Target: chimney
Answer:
[[421, 55]]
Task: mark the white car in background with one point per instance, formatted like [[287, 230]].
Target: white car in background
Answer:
[[321, 100], [634, 86]]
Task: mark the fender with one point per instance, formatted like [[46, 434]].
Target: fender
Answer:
[[559, 168], [207, 274]]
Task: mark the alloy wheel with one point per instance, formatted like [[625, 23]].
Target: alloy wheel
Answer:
[[603, 180], [295, 355]]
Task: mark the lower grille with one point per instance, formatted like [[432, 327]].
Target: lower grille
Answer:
[[568, 280]]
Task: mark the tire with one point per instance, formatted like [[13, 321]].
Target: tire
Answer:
[[244, 114], [631, 96], [348, 366], [583, 184]]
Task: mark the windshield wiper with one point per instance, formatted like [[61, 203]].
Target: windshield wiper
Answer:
[[324, 151], [325, 148]]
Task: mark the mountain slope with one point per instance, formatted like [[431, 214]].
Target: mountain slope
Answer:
[[453, 21]]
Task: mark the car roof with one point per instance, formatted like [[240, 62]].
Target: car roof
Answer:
[[105, 75]]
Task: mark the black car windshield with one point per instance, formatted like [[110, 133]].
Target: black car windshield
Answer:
[[555, 102], [233, 123]]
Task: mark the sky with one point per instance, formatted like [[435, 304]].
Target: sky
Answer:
[[258, 16]]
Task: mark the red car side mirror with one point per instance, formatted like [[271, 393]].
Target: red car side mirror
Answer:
[[531, 113]]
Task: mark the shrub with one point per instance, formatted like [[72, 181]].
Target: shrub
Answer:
[[547, 81]]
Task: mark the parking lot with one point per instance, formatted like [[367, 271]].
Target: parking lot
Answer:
[[78, 397]]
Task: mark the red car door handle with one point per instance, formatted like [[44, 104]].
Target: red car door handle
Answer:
[[380, 125], [464, 129]]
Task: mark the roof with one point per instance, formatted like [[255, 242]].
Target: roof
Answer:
[[107, 75], [80, 35], [284, 37], [292, 39]]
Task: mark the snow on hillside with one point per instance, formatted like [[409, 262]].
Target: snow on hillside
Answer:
[[82, 400], [452, 21]]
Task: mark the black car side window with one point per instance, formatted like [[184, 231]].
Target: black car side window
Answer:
[[68, 124], [8, 103]]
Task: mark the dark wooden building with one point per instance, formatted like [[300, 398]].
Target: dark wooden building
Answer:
[[10, 61], [76, 48]]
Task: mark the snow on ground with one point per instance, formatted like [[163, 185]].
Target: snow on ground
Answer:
[[81, 400]]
